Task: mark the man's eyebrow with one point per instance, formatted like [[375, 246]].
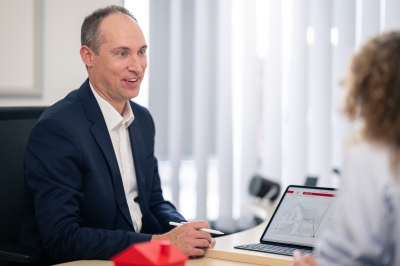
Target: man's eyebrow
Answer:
[[122, 48], [127, 48]]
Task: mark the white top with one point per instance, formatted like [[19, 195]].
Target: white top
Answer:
[[366, 230], [117, 126]]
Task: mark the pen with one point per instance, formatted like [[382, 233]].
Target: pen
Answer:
[[211, 231]]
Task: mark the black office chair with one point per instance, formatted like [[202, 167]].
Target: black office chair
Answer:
[[16, 124]]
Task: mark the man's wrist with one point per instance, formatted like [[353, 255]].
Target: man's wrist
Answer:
[[157, 237]]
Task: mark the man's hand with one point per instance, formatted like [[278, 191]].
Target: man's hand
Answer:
[[300, 260], [189, 239]]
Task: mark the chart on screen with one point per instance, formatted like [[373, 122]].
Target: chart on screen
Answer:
[[300, 218]]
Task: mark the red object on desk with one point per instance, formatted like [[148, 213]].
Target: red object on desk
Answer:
[[155, 253]]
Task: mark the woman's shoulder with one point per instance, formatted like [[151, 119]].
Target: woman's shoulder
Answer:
[[369, 163], [369, 152]]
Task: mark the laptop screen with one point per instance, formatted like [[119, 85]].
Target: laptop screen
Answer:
[[301, 216]]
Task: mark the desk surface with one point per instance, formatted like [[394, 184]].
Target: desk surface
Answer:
[[224, 250], [223, 254]]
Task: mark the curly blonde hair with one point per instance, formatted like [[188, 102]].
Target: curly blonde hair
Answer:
[[373, 90]]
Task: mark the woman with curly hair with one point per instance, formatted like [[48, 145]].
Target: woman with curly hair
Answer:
[[366, 230]]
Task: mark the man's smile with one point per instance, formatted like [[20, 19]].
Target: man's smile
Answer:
[[130, 80]]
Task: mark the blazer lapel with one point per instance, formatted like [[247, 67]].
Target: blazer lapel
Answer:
[[100, 133], [150, 223], [139, 156]]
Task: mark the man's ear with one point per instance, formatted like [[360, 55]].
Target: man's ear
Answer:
[[86, 55]]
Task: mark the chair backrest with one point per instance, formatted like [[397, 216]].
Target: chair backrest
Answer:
[[16, 124]]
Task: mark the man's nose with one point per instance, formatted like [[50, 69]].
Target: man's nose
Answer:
[[135, 65]]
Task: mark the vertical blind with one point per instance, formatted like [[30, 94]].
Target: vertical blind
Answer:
[[239, 87]]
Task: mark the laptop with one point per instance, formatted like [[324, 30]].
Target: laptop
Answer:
[[301, 216]]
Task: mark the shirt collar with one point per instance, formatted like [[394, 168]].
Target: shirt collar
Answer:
[[111, 116]]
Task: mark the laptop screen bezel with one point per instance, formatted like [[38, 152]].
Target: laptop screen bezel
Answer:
[[277, 208]]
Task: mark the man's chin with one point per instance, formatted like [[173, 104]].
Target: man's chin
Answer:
[[133, 94]]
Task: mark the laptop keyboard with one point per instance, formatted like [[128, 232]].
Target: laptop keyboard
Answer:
[[273, 249]]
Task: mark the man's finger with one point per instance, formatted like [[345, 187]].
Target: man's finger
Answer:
[[196, 252], [201, 243], [212, 243], [197, 234], [199, 224]]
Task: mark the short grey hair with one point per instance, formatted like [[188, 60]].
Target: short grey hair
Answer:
[[90, 35]]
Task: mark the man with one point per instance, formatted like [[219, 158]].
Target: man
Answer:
[[91, 179]]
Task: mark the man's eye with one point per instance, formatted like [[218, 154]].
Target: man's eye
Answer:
[[142, 52], [123, 54]]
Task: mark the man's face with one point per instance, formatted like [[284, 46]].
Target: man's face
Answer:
[[118, 69]]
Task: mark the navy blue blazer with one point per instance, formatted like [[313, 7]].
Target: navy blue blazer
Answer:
[[74, 201]]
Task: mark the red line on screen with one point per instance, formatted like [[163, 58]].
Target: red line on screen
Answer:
[[322, 218], [307, 219], [297, 221], [319, 194]]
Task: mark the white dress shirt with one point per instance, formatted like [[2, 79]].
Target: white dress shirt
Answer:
[[117, 126], [366, 229]]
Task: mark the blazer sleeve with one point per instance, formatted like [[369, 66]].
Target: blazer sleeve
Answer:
[[53, 170]]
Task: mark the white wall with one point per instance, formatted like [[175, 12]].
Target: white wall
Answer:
[[62, 69]]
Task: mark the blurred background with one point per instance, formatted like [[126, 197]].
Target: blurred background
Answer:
[[238, 89]]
